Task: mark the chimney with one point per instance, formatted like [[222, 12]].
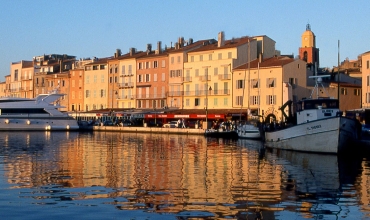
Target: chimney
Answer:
[[132, 51], [176, 45], [221, 39], [190, 40], [117, 53], [148, 48], [159, 44]]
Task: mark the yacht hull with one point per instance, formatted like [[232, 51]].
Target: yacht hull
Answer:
[[329, 135], [38, 124]]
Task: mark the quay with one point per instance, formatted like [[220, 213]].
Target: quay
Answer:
[[157, 130]]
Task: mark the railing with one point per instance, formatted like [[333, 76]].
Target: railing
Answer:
[[125, 85], [205, 78], [187, 79], [175, 93], [224, 77], [210, 92], [150, 96]]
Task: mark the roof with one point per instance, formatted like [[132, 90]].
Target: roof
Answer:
[[269, 62], [213, 44]]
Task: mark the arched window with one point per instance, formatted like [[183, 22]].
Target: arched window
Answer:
[[305, 56]]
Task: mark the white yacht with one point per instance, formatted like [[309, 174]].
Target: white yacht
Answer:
[[40, 113], [320, 127]]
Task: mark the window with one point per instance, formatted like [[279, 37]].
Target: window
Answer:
[[197, 102], [343, 91], [197, 72], [155, 64], [225, 101], [270, 82], [147, 77], [129, 69], [240, 84], [111, 70], [192, 59], [101, 93], [178, 73], [368, 64], [209, 56], [155, 77], [187, 102], [215, 71], [123, 70], [139, 78], [147, 65], [87, 93], [178, 59], [95, 78], [163, 63], [87, 79], [292, 81], [200, 57], [229, 55], [172, 60], [271, 99], [95, 67], [140, 66], [254, 83], [215, 101], [254, 100], [220, 56], [357, 92], [163, 77], [102, 78], [239, 100], [102, 67]]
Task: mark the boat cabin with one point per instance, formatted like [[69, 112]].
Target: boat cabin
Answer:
[[315, 109]]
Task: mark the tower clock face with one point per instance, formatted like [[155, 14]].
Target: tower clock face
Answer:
[[305, 38]]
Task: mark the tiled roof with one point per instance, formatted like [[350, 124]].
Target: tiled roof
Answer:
[[269, 62], [213, 44]]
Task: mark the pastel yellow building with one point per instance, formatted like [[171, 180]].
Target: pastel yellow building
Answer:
[[21, 79], [96, 85], [264, 85], [365, 69]]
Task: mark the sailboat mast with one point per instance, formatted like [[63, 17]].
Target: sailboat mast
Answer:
[[245, 84]]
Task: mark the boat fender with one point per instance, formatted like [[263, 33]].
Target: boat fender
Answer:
[[28, 122], [6, 121]]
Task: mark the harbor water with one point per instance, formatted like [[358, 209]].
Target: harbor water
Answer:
[[117, 175]]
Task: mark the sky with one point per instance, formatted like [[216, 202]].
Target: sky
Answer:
[[94, 28]]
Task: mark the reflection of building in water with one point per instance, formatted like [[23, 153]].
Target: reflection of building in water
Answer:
[[184, 172]]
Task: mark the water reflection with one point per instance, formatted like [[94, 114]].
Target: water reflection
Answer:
[[187, 176]]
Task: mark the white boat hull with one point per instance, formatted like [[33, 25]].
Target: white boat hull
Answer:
[[38, 124], [330, 135], [248, 132]]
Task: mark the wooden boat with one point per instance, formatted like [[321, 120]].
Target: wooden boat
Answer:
[[320, 127]]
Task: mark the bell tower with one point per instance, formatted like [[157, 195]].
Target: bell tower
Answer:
[[308, 51]]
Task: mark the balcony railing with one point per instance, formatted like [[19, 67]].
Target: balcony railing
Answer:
[[205, 78], [125, 85], [210, 92], [175, 93], [224, 77], [150, 96], [187, 79]]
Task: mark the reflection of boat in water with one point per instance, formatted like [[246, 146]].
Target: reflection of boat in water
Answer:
[[319, 127], [315, 177], [248, 131], [39, 113]]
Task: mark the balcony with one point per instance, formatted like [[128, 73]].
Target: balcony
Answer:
[[175, 93], [187, 79], [205, 78], [150, 96], [126, 85], [224, 77], [218, 92]]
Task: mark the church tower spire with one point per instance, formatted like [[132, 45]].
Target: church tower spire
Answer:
[[308, 51]]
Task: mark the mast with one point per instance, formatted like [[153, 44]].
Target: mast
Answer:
[[245, 84]]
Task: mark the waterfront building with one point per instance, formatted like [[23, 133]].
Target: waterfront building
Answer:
[[21, 75], [272, 82], [96, 84], [2, 89], [208, 78], [177, 58], [113, 76], [126, 86], [152, 79], [365, 69]]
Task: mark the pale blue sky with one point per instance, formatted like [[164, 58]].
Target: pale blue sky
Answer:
[[86, 28]]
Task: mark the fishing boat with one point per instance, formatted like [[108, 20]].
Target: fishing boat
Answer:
[[320, 127], [40, 113]]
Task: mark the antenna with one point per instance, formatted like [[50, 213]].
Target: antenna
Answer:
[[318, 81]]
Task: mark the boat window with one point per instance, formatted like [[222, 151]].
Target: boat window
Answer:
[[323, 105]]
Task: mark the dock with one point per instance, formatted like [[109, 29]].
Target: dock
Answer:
[[156, 130]]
